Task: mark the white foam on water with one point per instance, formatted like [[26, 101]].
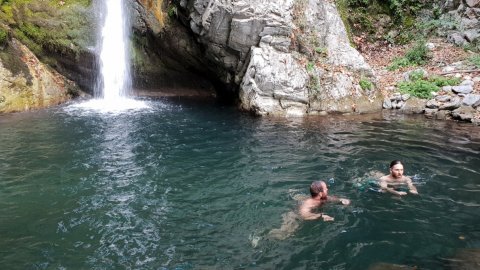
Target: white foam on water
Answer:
[[110, 106]]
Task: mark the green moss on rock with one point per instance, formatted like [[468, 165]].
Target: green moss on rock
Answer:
[[11, 59], [63, 27]]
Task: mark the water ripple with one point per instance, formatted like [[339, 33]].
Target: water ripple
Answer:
[[192, 186]]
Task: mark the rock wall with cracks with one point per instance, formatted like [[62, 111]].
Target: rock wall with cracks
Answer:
[[288, 57]]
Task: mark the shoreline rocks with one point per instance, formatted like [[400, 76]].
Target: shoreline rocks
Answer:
[[457, 102]]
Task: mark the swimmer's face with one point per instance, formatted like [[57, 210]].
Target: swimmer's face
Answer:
[[397, 171], [325, 190]]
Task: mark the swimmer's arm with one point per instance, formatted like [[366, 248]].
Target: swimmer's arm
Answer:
[[338, 200], [317, 216], [411, 187], [307, 215], [384, 187]]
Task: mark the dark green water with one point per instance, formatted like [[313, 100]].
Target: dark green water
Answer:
[[185, 186]]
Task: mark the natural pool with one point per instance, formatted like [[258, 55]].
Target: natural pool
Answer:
[[187, 185]]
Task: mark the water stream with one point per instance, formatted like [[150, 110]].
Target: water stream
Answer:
[[114, 57], [113, 93]]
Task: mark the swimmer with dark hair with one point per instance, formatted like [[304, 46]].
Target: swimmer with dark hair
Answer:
[[394, 180]]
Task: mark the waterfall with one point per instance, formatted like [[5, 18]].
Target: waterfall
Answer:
[[114, 57], [114, 87]]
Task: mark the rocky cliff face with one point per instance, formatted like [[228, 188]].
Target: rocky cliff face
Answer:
[[284, 57], [465, 18], [26, 84]]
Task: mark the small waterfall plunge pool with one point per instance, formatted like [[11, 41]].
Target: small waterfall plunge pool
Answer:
[[189, 185]]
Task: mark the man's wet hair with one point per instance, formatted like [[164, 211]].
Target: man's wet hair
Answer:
[[395, 162], [316, 187]]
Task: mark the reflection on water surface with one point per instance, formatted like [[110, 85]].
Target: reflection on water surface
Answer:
[[195, 186]]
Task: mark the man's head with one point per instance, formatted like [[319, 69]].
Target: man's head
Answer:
[[396, 169], [318, 188]]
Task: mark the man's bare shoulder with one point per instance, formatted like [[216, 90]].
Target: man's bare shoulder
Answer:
[[309, 203], [385, 178]]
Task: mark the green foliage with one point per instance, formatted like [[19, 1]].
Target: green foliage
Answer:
[[366, 84], [423, 87], [395, 21], [420, 88], [310, 66], [418, 55], [314, 85], [358, 3], [172, 11], [416, 75], [3, 37], [399, 63], [430, 26], [321, 51], [399, 9], [63, 27], [475, 59], [33, 31], [444, 81]]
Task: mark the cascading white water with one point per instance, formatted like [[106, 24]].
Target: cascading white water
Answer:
[[114, 60], [115, 87]]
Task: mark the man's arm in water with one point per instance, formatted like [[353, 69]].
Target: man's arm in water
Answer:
[[306, 213], [411, 187], [338, 200], [384, 187]]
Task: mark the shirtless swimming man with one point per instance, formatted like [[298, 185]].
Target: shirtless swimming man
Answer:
[[318, 192], [395, 179]]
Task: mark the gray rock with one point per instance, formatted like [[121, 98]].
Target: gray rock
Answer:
[[244, 33], [467, 82], [455, 103], [414, 105], [387, 104], [448, 69], [443, 98], [471, 35], [447, 88], [471, 13], [430, 113], [464, 113], [443, 115], [476, 105], [462, 89], [252, 46], [457, 39], [266, 39], [471, 99], [472, 3], [35, 87], [396, 97], [405, 97], [451, 4], [468, 23], [432, 104]]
